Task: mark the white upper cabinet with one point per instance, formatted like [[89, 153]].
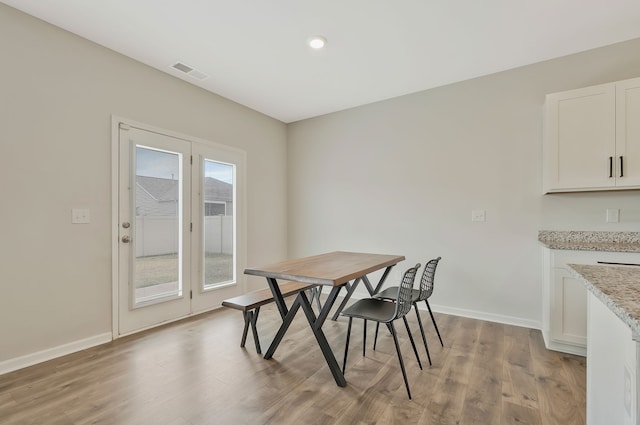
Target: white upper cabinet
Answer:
[[628, 133], [592, 138]]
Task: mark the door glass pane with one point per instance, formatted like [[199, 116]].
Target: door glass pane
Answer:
[[157, 237], [219, 228]]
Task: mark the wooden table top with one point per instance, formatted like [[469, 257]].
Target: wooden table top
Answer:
[[332, 269]]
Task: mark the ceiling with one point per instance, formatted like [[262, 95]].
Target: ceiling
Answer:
[[255, 52]]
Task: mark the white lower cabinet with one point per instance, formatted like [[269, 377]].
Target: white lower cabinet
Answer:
[[564, 322], [612, 380]]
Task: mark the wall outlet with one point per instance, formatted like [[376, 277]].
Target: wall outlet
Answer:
[[478, 215], [613, 215], [80, 216]]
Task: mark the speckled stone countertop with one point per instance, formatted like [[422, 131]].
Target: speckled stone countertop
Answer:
[[590, 241], [617, 287]]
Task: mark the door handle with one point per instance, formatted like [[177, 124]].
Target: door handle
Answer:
[[126, 239], [610, 167], [621, 167]]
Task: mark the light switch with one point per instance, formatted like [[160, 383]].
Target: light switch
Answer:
[[478, 215], [613, 215], [80, 216]]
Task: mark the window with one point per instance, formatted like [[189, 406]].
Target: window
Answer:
[[219, 223]]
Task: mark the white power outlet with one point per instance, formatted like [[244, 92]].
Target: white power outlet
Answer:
[[478, 215], [613, 215], [80, 216]]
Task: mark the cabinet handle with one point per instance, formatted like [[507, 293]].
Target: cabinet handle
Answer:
[[621, 167], [610, 167]]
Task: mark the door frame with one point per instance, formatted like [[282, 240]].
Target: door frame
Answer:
[[241, 216]]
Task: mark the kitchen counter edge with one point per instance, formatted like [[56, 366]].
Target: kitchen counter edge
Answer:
[[618, 287], [590, 240]]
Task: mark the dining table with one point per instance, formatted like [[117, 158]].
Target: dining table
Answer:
[[336, 270]]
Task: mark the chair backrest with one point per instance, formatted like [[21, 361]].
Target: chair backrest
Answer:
[[405, 292], [426, 283]]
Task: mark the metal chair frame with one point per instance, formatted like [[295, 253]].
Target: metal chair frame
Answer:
[[423, 294], [364, 309]]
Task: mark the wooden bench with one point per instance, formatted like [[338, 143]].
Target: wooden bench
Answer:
[[251, 302]]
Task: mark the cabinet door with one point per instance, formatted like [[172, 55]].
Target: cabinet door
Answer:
[[568, 309], [628, 133], [579, 143]]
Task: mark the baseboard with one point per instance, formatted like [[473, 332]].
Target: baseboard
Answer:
[[576, 349], [361, 292], [481, 315], [564, 347], [31, 359]]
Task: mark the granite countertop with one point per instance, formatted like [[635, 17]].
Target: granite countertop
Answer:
[[590, 241], [617, 287]]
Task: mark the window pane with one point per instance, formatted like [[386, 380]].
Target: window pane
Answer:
[[157, 227], [219, 223], [214, 208]]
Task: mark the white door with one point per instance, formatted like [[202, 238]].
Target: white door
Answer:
[[154, 229], [179, 244]]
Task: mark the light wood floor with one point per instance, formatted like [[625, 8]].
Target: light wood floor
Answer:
[[194, 372]]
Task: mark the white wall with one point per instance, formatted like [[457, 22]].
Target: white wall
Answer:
[[403, 175], [57, 95]]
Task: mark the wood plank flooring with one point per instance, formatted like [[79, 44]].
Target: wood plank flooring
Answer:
[[194, 372]]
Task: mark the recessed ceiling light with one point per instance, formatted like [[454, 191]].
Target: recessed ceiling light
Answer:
[[317, 42]]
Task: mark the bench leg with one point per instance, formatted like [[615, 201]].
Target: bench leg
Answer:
[[251, 319]]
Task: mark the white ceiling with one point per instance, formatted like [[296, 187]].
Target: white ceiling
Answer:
[[255, 53]]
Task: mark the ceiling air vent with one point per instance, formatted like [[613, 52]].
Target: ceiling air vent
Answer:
[[189, 71]]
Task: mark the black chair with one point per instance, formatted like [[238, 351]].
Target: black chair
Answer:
[[422, 294], [385, 312]]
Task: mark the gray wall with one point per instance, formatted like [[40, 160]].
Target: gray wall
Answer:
[[57, 95], [403, 175]]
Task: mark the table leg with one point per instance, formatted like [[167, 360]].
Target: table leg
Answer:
[[350, 289], [286, 321], [382, 279], [277, 296], [289, 314], [367, 283], [331, 299], [316, 327]]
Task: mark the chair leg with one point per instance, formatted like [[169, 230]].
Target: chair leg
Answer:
[[424, 339], [346, 346], [395, 340], [413, 344], [375, 339], [433, 319], [364, 338]]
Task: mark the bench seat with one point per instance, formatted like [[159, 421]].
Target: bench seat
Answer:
[[251, 302]]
